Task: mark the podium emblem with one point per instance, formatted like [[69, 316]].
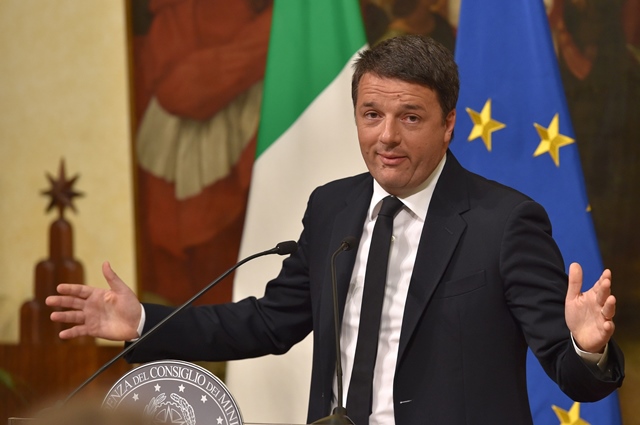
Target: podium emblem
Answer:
[[174, 392]]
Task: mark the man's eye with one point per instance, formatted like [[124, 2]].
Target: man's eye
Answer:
[[371, 115], [412, 118]]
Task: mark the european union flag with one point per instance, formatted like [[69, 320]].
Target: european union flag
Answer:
[[513, 126]]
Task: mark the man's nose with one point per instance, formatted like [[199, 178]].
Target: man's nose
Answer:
[[390, 132]]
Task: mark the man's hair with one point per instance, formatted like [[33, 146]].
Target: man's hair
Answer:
[[414, 59]]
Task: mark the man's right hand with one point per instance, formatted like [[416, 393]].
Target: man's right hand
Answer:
[[112, 314]]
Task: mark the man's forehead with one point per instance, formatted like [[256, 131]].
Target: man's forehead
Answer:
[[373, 88], [404, 104]]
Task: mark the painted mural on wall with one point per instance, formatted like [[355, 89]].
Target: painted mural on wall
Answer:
[[198, 67]]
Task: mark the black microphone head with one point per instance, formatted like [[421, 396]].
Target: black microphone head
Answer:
[[286, 247], [349, 243]]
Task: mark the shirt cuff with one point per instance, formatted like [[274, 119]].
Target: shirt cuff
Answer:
[[143, 318], [593, 359]]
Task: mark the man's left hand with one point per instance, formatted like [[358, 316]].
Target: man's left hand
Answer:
[[589, 315]]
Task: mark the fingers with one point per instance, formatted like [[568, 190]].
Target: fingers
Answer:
[[76, 317], [603, 287], [575, 281], [65, 301], [609, 327], [73, 332], [609, 308], [604, 299], [112, 278], [75, 290]]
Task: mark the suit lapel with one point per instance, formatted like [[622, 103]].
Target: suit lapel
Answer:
[[442, 230]]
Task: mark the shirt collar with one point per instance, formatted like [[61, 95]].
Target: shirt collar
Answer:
[[417, 203]]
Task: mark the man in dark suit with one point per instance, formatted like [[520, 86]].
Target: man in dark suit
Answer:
[[473, 279]]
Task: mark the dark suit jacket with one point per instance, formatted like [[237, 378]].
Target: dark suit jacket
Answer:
[[488, 282]]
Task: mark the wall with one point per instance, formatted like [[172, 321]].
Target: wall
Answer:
[[63, 94]]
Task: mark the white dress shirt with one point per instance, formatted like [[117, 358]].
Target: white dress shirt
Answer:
[[407, 229]]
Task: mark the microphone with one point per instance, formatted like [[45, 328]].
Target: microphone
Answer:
[[339, 414], [282, 248]]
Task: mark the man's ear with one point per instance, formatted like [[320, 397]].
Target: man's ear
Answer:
[[449, 123]]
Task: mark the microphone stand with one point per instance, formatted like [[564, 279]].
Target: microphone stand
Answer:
[[339, 414], [283, 248]]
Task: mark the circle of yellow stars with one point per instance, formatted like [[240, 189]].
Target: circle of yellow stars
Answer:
[[551, 140]]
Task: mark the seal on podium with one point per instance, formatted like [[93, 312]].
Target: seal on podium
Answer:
[[174, 392]]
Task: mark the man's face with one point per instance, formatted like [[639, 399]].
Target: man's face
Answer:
[[401, 131]]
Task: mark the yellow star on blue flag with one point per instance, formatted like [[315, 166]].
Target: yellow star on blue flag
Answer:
[[570, 417], [551, 140], [483, 124], [505, 53]]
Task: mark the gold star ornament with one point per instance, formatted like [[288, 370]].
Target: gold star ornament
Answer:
[[571, 417], [551, 140], [483, 124]]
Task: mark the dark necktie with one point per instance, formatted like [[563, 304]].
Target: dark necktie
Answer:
[[360, 387]]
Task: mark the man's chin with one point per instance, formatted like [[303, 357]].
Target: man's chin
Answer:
[[393, 187]]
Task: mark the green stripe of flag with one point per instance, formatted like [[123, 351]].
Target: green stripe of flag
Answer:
[[306, 118], [310, 43]]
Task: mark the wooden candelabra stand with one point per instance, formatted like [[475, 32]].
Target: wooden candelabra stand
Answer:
[[43, 367]]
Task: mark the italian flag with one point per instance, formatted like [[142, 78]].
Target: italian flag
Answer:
[[307, 137]]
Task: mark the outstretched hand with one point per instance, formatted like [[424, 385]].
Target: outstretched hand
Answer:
[[589, 315], [111, 314]]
